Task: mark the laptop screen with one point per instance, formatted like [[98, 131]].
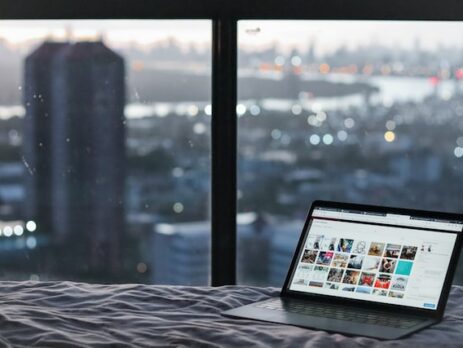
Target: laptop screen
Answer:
[[380, 257]]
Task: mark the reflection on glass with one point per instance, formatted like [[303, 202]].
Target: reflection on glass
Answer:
[[357, 111], [104, 150]]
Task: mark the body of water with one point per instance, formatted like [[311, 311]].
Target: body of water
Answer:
[[391, 89]]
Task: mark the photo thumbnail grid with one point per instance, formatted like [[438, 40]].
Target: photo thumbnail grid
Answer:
[[344, 264]]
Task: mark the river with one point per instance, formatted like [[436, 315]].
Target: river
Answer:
[[391, 89]]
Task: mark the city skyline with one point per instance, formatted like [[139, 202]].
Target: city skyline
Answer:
[[254, 35], [329, 35], [117, 32], [369, 136]]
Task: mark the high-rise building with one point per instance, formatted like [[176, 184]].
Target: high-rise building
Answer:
[[283, 244], [38, 71], [75, 152], [181, 252]]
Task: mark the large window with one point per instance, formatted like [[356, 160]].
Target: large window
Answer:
[[105, 150], [347, 109], [357, 111]]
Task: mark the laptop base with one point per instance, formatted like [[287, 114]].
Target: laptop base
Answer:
[[347, 327]]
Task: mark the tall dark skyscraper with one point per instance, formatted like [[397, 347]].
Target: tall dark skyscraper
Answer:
[[37, 132], [75, 152]]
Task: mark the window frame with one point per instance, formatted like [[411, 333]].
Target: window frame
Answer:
[[225, 16]]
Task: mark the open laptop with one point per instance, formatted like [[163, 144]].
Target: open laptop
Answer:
[[366, 270]]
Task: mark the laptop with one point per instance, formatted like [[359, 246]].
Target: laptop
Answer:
[[366, 270]]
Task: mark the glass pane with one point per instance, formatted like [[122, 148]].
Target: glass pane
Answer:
[[104, 150], [356, 111]]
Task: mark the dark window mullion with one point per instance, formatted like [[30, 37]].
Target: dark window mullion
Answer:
[[224, 159]]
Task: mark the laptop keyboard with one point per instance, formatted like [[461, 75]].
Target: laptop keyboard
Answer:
[[340, 313]]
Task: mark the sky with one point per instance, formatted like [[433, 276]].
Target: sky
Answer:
[[328, 35], [142, 32]]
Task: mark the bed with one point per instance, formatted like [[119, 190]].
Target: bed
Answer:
[[67, 314]]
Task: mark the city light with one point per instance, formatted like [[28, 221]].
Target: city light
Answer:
[[276, 134], [166, 229], [240, 109], [296, 60], [8, 231], [177, 207], [142, 267], [324, 68], [18, 230], [458, 152], [208, 110], [447, 94], [434, 80], [321, 116], [386, 69], [162, 110], [254, 110], [265, 67], [367, 69], [349, 122], [177, 172], [389, 136], [199, 128], [192, 110], [328, 139], [138, 65], [342, 135], [313, 121], [31, 242], [390, 125], [296, 109], [314, 139], [31, 226], [280, 60]]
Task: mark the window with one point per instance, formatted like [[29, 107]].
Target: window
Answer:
[[372, 115], [222, 127], [104, 150]]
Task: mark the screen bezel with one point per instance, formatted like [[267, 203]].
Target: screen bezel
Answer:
[[434, 313]]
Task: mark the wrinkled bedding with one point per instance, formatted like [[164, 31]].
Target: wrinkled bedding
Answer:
[[66, 314]]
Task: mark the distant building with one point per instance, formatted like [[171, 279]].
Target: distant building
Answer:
[[11, 190], [285, 236], [74, 150], [39, 70], [181, 251], [254, 240]]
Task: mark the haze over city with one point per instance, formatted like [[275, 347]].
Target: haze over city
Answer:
[[252, 34]]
